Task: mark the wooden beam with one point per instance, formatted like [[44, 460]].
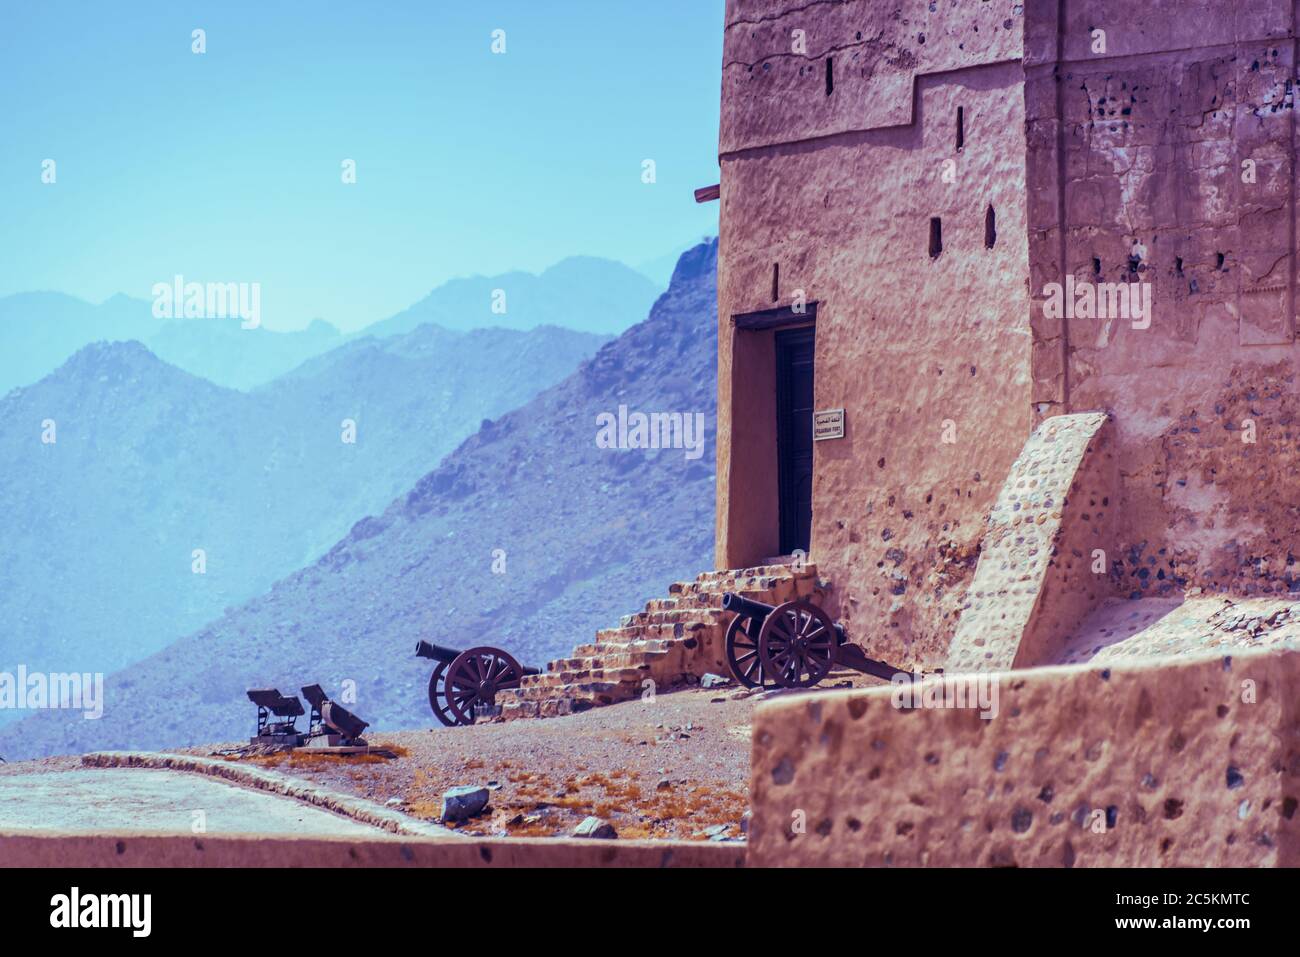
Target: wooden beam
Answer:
[[707, 194], [774, 318]]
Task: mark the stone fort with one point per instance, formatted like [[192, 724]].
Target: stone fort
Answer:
[[1007, 384]]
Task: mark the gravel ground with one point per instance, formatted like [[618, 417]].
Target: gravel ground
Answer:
[[671, 768], [675, 767]]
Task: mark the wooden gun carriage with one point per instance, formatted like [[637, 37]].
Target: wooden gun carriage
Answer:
[[465, 683], [791, 645]]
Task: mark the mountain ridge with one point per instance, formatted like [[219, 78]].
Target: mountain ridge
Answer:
[[39, 329], [150, 462], [526, 536]]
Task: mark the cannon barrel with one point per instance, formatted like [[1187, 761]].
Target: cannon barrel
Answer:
[[342, 720], [746, 607], [426, 649], [758, 611]]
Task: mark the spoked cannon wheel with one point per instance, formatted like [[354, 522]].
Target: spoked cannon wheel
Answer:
[[796, 644], [475, 677], [742, 655], [438, 695]]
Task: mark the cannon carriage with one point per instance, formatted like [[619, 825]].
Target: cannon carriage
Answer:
[[329, 725], [464, 684], [791, 645]]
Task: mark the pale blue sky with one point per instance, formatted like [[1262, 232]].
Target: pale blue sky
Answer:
[[226, 166]]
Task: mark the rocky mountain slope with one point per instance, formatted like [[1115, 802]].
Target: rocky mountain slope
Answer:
[[528, 536], [150, 463]]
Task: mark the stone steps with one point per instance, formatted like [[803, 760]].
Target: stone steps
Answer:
[[680, 616], [607, 659], [601, 648], [672, 640], [617, 673]]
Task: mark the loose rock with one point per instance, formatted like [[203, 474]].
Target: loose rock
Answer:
[[594, 827], [463, 803]]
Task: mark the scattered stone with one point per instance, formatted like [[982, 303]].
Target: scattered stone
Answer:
[[710, 680], [394, 802], [744, 822], [463, 803], [664, 785], [594, 827]]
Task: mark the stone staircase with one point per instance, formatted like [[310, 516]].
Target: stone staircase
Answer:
[[671, 642]]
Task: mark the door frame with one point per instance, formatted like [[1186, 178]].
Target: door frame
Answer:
[[748, 510]]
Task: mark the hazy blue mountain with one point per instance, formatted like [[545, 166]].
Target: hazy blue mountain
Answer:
[[414, 397], [40, 330], [226, 353], [587, 534], [151, 463], [583, 292]]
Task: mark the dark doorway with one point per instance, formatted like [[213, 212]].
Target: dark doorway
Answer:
[[794, 436]]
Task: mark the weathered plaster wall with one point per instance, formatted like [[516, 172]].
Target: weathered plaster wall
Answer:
[[1155, 149], [1155, 763], [929, 356], [773, 94], [127, 849], [1039, 573]]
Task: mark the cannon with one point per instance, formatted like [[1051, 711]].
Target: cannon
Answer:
[[791, 645], [329, 725], [332, 723], [466, 682], [277, 718]]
